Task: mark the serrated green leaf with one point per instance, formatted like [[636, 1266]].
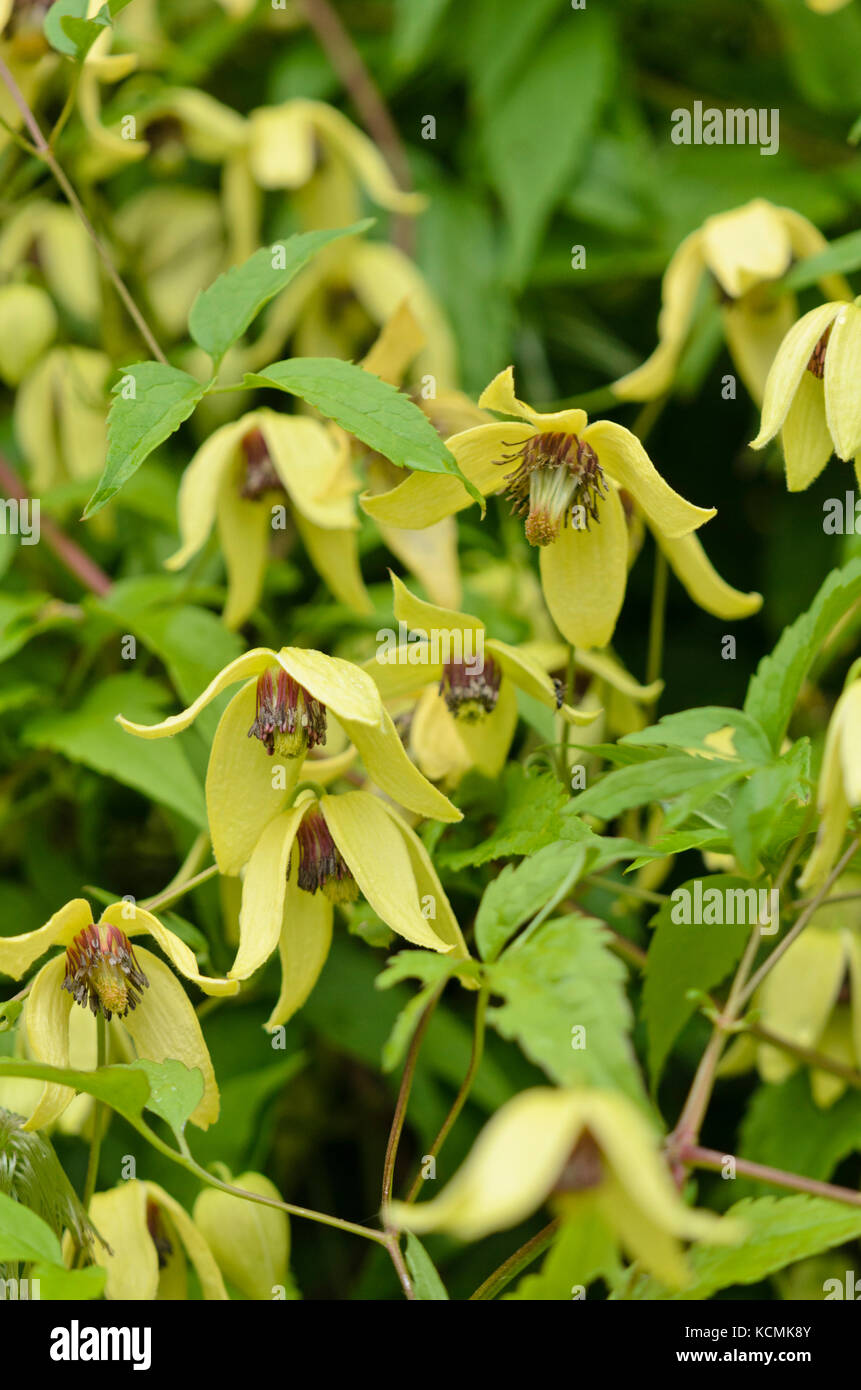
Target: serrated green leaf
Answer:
[[368, 408], [528, 811], [774, 687], [220, 314], [427, 1285], [175, 1090], [710, 729], [561, 979], [683, 957], [656, 780], [126, 1088], [757, 809], [89, 734], [778, 1232], [520, 891], [53, 27], [60, 1285], [164, 398], [24, 1235]]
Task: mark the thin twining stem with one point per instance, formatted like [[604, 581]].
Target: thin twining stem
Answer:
[[698, 1157], [510, 1268], [46, 153]]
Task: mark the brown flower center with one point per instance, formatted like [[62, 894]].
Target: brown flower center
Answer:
[[816, 365], [584, 1168], [289, 721], [102, 972], [321, 864], [557, 479], [261, 475], [471, 688]]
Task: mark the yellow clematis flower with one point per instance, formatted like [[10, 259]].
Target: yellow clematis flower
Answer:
[[250, 1242], [167, 127], [812, 997], [150, 1236], [325, 851], [466, 686], [566, 477], [51, 237], [431, 555], [174, 238], [745, 251], [286, 715], [102, 971], [60, 416], [839, 784], [579, 1150], [240, 480], [28, 325], [811, 395]]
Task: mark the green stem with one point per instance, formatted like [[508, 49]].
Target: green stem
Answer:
[[511, 1267], [100, 1117], [657, 617], [172, 894]]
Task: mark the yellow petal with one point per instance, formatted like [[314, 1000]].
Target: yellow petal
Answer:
[[642, 1239], [215, 467], [374, 849], [583, 575], [431, 555], [396, 676], [848, 724], [251, 664], [264, 891], [312, 461], [500, 396], [388, 766], [836, 1042], [753, 335], [164, 1025], [807, 240], [245, 788], [426, 498], [807, 445], [528, 675], [488, 740], [421, 616], [788, 368], [46, 1019], [746, 246], [343, 688], [244, 529], [28, 324], [134, 920], [120, 1216], [382, 277], [606, 668], [17, 953], [196, 1247], [842, 373], [435, 741], [303, 945], [622, 455], [445, 923], [678, 297], [335, 556], [798, 995], [400, 341], [694, 569], [250, 1242]]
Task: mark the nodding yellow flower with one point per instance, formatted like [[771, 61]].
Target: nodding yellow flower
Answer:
[[431, 554], [51, 237], [812, 997], [744, 251], [578, 1150], [28, 325], [148, 1240], [103, 972], [569, 480], [466, 687], [167, 127], [325, 851], [839, 784], [250, 1241], [61, 416], [246, 477], [269, 726], [812, 396]]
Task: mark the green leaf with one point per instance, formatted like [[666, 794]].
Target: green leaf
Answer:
[[710, 729], [530, 170], [785, 1128], [759, 805], [157, 767], [24, 1235], [528, 810], [426, 1282], [163, 398], [561, 979], [583, 1251], [684, 957], [519, 892], [841, 257], [774, 687], [128, 1089], [175, 1090], [60, 1285], [432, 969], [54, 29], [367, 407], [220, 314], [778, 1232], [413, 28], [657, 780]]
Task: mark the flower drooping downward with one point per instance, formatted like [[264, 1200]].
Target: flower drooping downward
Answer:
[[260, 474], [558, 477], [471, 688], [322, 867], [102, 972], [289, 720]]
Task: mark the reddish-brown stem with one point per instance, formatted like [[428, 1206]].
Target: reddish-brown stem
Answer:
[[697, 1157], [70, 555]]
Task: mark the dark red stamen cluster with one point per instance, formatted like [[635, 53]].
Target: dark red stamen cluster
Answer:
[[469, 689], [816, 365], [102, 972], [288, 718], [260, 474], [321, 864]]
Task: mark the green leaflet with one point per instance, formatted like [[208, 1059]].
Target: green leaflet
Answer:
[[68, 30], [842, 256], [426, 1282], [779, 1231], [657, 780], [519, 892], [709, 729], [368, 408], [24, 1235], [528, 811], [778, 678], [163, 397], [685, 957], [558, 981], [89, 734], [220, 314]]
